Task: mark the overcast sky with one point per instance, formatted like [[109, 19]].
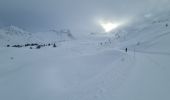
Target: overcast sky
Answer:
[[77, 15]]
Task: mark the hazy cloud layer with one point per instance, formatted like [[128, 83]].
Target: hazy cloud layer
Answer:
[[75, 14]]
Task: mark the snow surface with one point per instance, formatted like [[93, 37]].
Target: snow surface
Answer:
[[91, 67]]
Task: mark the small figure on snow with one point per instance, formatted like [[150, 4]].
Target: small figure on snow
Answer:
[[126, 50], [101, 43], [8, 45], [54, 45], [166, 25]]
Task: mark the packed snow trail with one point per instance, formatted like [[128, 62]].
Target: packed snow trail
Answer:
[[44, 74]]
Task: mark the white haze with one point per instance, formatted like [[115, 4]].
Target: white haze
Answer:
[[77, 15]]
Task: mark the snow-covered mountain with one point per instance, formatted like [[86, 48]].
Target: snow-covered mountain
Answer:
[[95, 67], [15, 31], [54, 36], [13, 35], [143, 31]]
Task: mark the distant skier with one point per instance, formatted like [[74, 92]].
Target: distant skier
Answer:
[[126, 49], [54, 45], [166, 25], [101, 43]]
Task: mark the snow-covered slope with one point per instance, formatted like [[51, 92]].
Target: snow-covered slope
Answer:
[[95, 67], [54, 36], [13, 35]]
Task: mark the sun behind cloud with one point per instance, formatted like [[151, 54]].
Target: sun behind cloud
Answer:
[[109, 26]]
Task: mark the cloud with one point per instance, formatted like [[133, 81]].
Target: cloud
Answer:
[[74, 14]]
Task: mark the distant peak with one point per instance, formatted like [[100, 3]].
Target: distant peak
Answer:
[[13, 28]]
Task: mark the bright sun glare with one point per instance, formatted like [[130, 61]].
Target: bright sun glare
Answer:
[[109, 26]]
